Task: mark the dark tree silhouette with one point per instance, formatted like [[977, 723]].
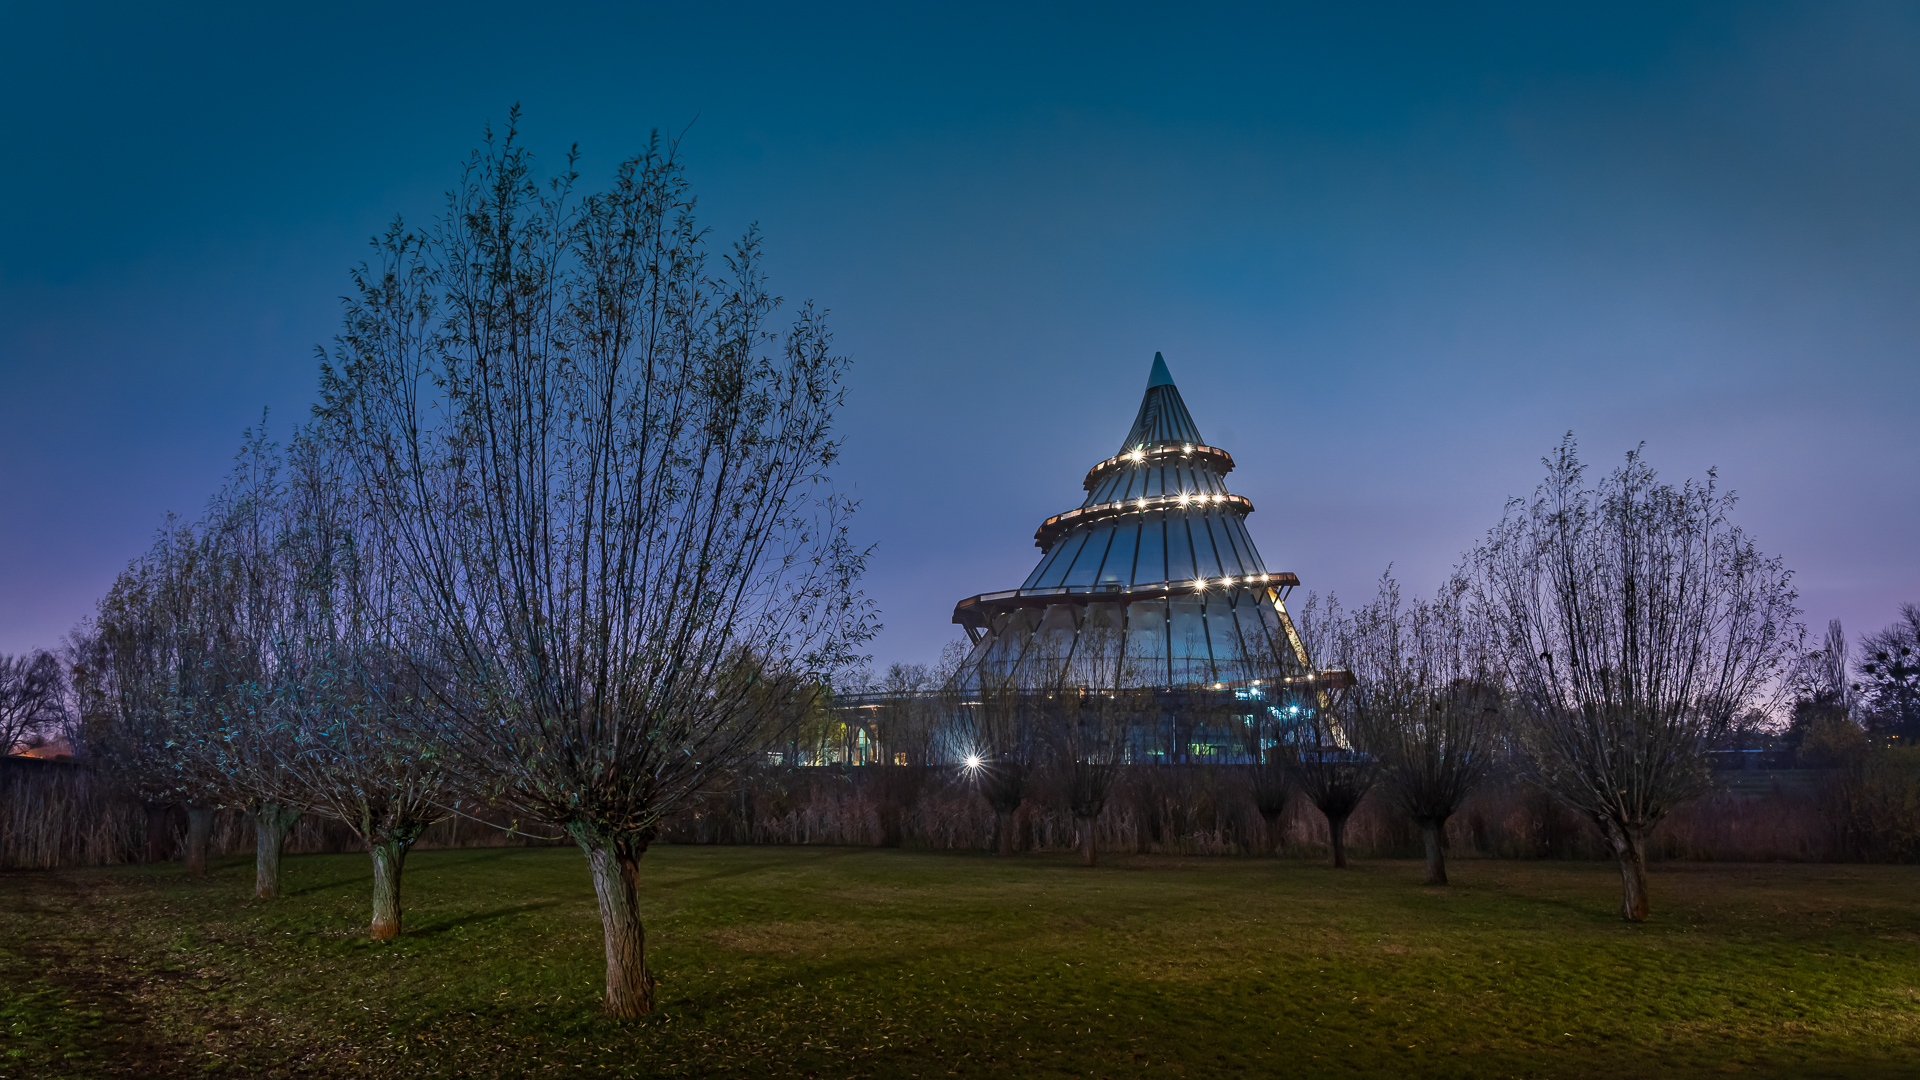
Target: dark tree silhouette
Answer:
[[32, 698], [1335, 777], [1889, 670], [1096, 708], [1003, 742]]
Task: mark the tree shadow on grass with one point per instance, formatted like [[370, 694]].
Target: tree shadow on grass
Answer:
[[415, 869], [363, 880], [810, 860], [446, 858], [436, 927], [843, 967]]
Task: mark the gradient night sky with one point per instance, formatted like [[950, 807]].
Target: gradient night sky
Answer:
[[1390, 255]]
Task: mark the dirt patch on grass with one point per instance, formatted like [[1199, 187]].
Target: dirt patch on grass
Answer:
[[95, 1004], [78, 1012]]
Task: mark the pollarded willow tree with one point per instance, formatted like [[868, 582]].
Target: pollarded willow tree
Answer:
[[1316, 720], [334, 721], [1333, 773], [1003, 736], [1426, 704], [1094, 709], [1633, 622], [604, 481], [253, 661]]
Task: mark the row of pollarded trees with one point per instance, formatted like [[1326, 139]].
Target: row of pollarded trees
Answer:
[[560, 537], [248, 661], [1602, 638]]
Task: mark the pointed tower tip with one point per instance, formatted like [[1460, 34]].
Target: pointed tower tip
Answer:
[[1161, 376]]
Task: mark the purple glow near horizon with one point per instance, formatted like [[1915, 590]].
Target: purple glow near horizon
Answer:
[[1389, 260]]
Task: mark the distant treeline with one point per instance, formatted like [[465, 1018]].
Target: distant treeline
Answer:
[[59, 814]]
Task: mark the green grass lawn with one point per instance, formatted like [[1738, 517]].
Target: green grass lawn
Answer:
[[840, 962]]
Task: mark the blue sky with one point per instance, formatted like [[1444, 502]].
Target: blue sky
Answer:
[[1391, 254]]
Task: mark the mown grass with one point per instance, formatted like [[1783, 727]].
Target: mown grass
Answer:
[[840, 962]]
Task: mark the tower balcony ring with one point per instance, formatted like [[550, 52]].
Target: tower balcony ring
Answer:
[[978, 611], [1211, 458], [1052, 529]]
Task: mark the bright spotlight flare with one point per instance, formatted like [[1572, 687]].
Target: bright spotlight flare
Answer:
[[973, 761]]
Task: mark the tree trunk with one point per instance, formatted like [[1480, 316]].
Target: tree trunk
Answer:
[[1337, 839], [1436, 851], [199, 836], [1003, 825], [389, 856], [1143, 818], [615, 879], [1276, 834], [159, 835], [1630, 847], [1087, 850], [271, 823]]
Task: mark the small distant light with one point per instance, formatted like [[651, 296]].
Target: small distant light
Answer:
[[1187, 449], [1199, 583], [1226, 581]]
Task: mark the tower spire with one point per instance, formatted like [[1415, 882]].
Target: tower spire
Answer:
[[1163, 417], [1160, 376]]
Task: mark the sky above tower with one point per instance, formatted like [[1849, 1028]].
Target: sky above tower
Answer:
[[1390, 253]]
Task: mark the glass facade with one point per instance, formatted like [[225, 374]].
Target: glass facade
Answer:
[[1153, 581]]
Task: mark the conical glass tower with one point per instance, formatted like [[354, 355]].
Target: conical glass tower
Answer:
[[1150, 582]]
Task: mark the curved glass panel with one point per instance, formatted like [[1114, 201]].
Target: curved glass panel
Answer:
[[1062, 555], [1205, 563], [1179, 549], [1150, 564], [1118, 567], [1235, 528], [1228, 558], [1087, 563]]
